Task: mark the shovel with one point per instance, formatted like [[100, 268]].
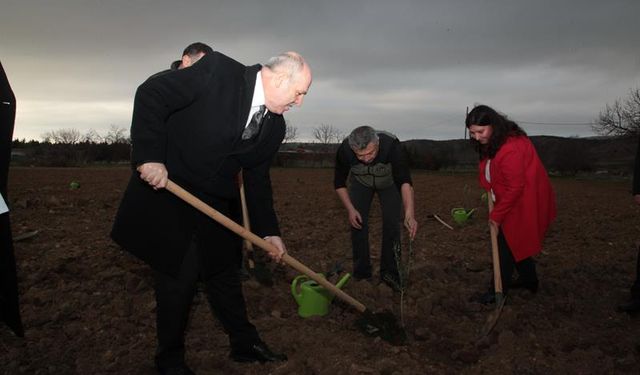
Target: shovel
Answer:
[[373, 324], [497, 279], [256, 269]]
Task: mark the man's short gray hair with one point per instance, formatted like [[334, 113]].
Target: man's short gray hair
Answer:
[[361, 136], [289, 62]]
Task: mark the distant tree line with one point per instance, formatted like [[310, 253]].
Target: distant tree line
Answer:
[[620, 119], [70, 147]]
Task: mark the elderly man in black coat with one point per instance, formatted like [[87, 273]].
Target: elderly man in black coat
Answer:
[[9, 308], [200, 126]]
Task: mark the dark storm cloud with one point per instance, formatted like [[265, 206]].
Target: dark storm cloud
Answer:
[[408, 66]]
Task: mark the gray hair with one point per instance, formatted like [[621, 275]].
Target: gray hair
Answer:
[[361, 136], [289, 62]]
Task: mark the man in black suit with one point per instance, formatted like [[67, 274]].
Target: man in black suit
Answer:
[[633, 305], [193, 125], [9, 307]]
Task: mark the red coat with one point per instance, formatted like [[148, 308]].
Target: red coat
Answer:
[[525, 203]]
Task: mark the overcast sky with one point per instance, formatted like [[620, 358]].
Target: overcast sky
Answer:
[[409, 67]]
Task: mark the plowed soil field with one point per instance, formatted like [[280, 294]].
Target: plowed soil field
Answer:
[[89, 308]]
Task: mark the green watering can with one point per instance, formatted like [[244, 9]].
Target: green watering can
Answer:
[[312, 298], [460, 215]]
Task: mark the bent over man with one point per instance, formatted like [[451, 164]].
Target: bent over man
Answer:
[[375, 163], [199, 126]]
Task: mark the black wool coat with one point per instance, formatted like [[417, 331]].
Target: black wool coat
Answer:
[[192, 121]]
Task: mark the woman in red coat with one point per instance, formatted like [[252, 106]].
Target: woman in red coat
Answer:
[[524, 202]]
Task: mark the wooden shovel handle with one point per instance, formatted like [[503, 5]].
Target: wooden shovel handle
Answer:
[[497, 277], [257, 241], [245, 211]]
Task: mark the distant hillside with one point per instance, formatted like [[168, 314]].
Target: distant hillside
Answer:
[[561, 155]]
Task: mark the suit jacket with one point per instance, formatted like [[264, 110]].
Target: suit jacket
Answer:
[[192, 121], [525, 202]]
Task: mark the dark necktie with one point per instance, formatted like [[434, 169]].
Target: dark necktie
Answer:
[[254, 125]]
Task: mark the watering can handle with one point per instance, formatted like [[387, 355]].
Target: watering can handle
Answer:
[[294, 285]]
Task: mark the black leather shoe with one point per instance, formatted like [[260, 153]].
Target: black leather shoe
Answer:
[[631, 307], [178, 370], [258, 352]]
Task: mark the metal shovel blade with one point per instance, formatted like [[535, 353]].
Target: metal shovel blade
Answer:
[[384, 325], [492, 319]]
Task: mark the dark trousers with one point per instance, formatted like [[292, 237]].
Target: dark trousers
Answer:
[[9, 306], [526, 268], [174, 297], [635, 287], [391, 204]]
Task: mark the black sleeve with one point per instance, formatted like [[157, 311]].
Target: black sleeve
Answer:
[[342, 167], [155, 100], [263, 218], [400, 164]]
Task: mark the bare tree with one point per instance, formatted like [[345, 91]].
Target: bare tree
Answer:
[[339, 136], [116, 134], [63, 136], [327, 134], [620, 118], [291, 133], [91, 136]]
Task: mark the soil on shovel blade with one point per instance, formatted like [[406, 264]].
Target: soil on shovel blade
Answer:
[[88, 307]]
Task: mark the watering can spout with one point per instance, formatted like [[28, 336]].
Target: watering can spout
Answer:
[[340, 284], [343, 281]]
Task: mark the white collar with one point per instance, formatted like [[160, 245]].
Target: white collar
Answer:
[[258, 92]]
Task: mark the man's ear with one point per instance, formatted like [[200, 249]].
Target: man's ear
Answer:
[[280, 79], [186, 62]]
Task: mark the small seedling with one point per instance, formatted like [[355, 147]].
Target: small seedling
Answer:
[[403, 273]]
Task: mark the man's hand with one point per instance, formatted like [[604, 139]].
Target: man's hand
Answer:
[[155, 174], [355, 219], [412, 225], [277, 253], [636, 198]]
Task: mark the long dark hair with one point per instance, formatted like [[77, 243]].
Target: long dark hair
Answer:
[[503, 128]]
